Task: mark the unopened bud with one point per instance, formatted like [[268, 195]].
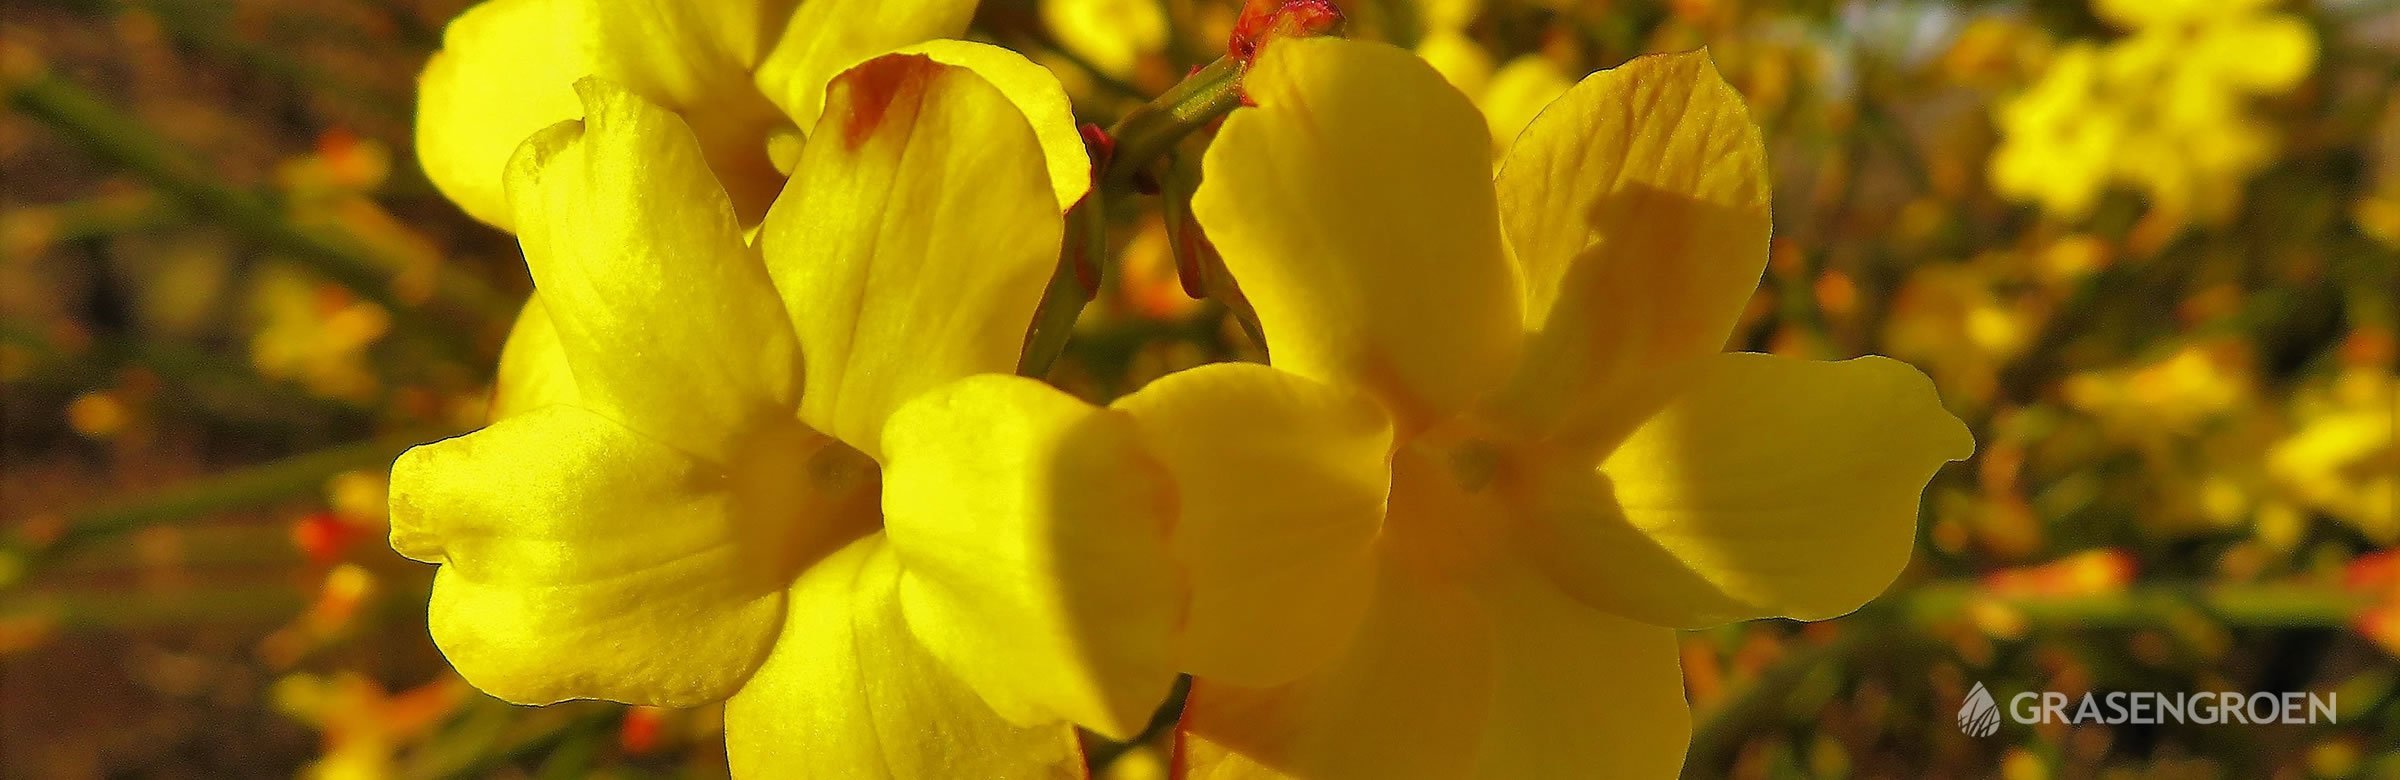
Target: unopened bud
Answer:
[[1266, 21]]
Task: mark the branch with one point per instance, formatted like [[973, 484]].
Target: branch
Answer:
[[254, 486], [120, 140]]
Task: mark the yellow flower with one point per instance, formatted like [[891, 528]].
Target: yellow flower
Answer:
[[792, 472], [315, 334], [2057, 137], [2343, 459], [364, 725], [2175, 396], [1499, 456], [745, 75], [2162, 110], [1113, 35], [1510, 96]]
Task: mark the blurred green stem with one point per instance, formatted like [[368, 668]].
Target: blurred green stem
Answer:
[[227, 388], [121, 610], [118, 139], [1898, 621], [262, 484], [206, 25], [2238, 606]]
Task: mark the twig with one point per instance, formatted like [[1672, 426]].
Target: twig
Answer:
[[117, 139], [1718, 733], [253, 486]]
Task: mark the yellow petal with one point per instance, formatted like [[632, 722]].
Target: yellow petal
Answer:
[[696, 59], [506, 69], [1039, 96], [583, 560], [1637, 204], [1114, 35], [668, 320], [1503, 677], [1407, 698], [1281, 484], [1355, 209], [913, 242], [2140, 14], [1575, 688], [533, 368], [1034, 535], [2267, 54], [1771, 487], [849, 692], [823, 38]]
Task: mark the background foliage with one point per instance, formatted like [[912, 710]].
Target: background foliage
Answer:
[[2162, 290]]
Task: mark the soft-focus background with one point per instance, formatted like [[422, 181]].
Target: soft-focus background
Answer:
[[2147, 249]]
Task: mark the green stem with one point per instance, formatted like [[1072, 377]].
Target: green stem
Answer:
[[1896, 622], [97, 218], [1150, 131], [118, 139], [216, 607], [1719, 732], [208, 381], [578, 718], [2241, 606], [257, 485], [1054, 322], [1143, 137]]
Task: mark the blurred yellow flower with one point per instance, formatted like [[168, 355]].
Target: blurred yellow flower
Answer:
[[1510, 96], [2342, 460], [1112, 35], [363, 725], [1499, 456], [1963, 323], [316, 334], [2199, 383], [720, 468], [2163, 110]]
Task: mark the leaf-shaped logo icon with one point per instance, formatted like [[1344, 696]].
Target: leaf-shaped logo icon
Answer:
[[1980, 716]]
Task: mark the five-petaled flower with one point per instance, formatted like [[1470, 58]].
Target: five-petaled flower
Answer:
[[786, 470], [1499, 456]]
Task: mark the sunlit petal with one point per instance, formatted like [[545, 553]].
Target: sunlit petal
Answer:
[[1035, 92], [823, 38], [913, 242], [506, 69], [1637, 203], [1407, 698], [533, 367], [582, 560], [1034, 534], [1281, 483], [667, 318], [1770, 487], [850, 693], [1354, 207]]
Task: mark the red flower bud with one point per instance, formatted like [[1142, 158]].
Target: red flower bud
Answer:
[[1266, 21]]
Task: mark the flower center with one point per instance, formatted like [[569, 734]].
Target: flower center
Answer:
[[1449, 509], [806, 493]]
